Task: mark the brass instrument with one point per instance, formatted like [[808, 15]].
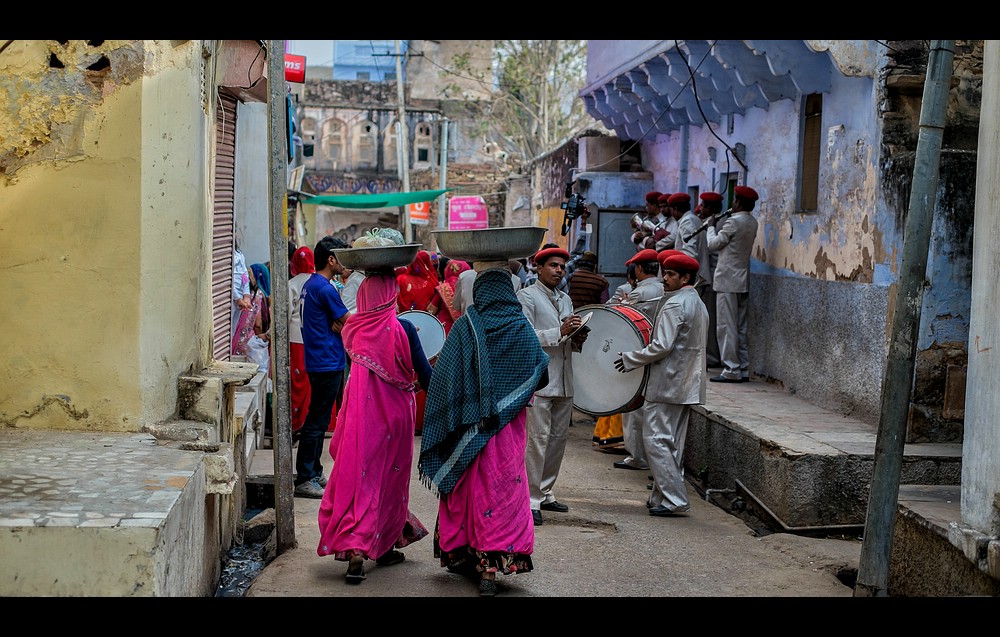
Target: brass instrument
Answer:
[[704, 226]]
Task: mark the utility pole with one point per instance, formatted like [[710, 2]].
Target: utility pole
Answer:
[[897, 386], [403, 141], [284, 503], [442, 222]]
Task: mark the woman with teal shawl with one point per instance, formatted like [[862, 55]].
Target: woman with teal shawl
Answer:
[[474, 436]]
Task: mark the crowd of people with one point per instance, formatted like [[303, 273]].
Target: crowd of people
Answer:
[[493, 406]]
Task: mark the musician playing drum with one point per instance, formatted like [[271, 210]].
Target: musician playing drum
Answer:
[[550, 312], [644, 297], [677, 380]]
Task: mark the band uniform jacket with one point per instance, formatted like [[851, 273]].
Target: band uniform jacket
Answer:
[[670, 226], [545, 309], [645, 297], [697, 246], [734, 243], [676, 351]]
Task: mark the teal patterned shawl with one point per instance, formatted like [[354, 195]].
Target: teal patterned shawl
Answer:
[[488, 369]]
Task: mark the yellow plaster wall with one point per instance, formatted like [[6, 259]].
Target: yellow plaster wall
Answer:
[[175, 304], [102, 232]]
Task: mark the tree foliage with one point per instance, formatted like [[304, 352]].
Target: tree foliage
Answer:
[[535, 105]]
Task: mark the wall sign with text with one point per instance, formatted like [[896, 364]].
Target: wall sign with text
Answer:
[[295, 68], [467, 213]]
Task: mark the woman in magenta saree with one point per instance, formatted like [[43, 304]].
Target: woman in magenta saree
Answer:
[[364, 513], [472, 447]]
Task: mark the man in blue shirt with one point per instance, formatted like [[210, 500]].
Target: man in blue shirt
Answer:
[[323, 316]]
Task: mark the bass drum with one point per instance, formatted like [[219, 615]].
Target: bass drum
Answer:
[[429, 331], [598, 388]]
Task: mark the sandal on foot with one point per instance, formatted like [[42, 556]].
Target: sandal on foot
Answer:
[[487, 588], [356, 570], [390, 558]]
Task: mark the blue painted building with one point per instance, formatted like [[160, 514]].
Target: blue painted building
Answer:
[[366, 60], [826, 132]]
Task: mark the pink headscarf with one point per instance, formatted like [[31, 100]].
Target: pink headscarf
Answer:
[[374, 337], [303, 261], [453, 269]]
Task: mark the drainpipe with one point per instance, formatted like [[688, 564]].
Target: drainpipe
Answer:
[[284, 503], [685, 157], [876, 548]]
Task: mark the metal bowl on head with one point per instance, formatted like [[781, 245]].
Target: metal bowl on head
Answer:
[[378, 259], [490, 244]]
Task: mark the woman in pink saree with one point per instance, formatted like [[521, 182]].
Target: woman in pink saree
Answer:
[[472, 447], [365, 510]]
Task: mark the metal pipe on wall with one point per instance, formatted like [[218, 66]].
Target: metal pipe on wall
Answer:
[[682, 186]]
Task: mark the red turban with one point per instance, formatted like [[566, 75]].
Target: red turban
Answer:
[[642, 256], [663, 254], [746, 192], [541, 256], [679, 262]]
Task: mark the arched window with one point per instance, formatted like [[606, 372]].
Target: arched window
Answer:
[[390, 142], [333, 144], [308, 133], [366, 141], [422, 145]]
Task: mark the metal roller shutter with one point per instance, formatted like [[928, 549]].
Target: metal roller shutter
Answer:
[[223, 227]]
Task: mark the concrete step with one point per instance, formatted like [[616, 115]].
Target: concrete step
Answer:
[[807, 465]]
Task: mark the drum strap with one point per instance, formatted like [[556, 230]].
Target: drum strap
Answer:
[[644, 306], [656, 310]]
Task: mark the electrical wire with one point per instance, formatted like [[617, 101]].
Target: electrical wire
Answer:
[[670, 103], [694, 89]]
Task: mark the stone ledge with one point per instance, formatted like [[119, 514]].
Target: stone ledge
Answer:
[[220, 465], [180, 430], [230, 373], [980, 549]]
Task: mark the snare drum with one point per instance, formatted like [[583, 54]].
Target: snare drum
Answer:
[[429, 331], [598, 388]]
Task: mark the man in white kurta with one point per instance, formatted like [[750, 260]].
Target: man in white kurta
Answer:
[[643, 297], [676, 355], [688, 239], [666, 225], [734, 244], [550, 312], [692, 241]]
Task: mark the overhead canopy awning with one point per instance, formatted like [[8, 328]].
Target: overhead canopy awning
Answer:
[[381, 200]]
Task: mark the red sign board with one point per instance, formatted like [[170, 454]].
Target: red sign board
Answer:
[[295, 68], [420, 213], [467, 213]]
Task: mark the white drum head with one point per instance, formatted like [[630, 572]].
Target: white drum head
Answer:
[[429, 331], [598, 388]]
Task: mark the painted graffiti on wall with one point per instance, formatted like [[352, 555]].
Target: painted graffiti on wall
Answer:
[[326, 184]]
